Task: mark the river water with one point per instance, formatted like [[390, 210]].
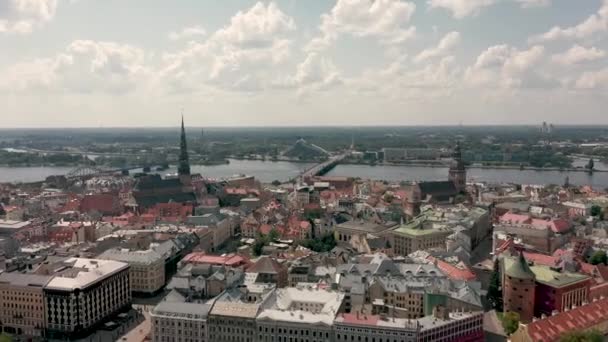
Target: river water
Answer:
[[421, 173], [267, 171]]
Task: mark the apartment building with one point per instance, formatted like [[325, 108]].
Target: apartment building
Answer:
[[147, 268], [22, 304], [179, 322], [83, 293]]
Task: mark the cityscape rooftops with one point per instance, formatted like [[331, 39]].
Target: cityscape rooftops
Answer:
[[359, 319], [24, 279], [431, 322], [10, 226], [79, 273], [554, 327], [146, 257], [543, 274], [366, 227], [243, 302], [231, 260], [193, 311], [304, 305]]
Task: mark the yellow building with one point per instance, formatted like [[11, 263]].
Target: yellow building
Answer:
[[22, 304]]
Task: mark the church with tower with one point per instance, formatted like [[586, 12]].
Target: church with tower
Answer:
[[150, 190], [440, 191]]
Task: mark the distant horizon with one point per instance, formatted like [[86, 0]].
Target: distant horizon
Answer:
[[556, 125]]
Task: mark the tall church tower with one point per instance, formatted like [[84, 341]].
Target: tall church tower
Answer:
[[183, 168], [458, 172]]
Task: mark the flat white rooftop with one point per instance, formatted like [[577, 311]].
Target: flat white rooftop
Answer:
[[79, 273]]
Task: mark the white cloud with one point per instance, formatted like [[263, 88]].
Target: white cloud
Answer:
[[385, 20], [578, 54], [445, 46], [315, 71], [240, 56], [461, 8], [593, 80], [23, 16], [502, 66], [596, 23], [84, 67], [188, 32], [534, 3]]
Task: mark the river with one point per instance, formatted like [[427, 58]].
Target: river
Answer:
[[267, 171], [421, 173]]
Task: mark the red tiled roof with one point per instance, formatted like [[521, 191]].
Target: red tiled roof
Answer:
[[541, 259], [265, 229], [584, 317], [355, 319], [104, 203], [556, 225], [228, 260], [504, 245], [453, 272]]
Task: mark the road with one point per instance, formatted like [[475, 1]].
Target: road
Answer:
[[140, 332]]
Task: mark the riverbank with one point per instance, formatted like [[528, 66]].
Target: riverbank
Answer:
[[481, 167]]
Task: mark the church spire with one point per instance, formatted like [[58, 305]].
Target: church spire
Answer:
[[184, 165]]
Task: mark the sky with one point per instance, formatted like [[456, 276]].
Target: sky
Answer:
[[136, 63]]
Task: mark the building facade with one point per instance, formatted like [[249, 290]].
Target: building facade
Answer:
[[379, 328], [299, 314], [22, 304], [519, 288], [83, 293], [147, 268], [179, 322], [415, 236]]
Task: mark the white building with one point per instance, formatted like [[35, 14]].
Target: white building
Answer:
[[299, 314], [362, 327], [180, 322]]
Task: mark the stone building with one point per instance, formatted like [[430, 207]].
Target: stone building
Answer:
[[299, 314], [233, 316], [176, 321], [519, 289], [147, 271], [22, 304]]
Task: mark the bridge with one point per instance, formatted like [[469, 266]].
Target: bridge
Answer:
[[93, 171], [324, 167]]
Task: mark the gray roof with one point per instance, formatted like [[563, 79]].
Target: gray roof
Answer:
[[183, 310], [132, 257], [20, 279], [366, 227]]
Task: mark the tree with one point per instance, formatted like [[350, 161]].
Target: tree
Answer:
[[599, 257], [494, 290], [325, 244], [273, 235], [257, 247], [580, 336], [596, 210], [510, 321], [261, 241], [276, 182]]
